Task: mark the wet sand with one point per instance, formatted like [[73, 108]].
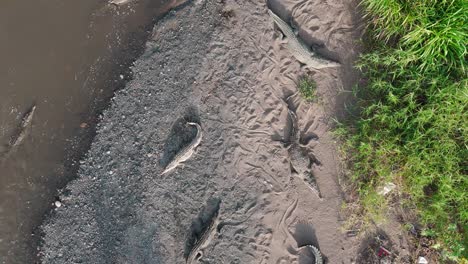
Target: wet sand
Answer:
[[224, 66], [66, 58]]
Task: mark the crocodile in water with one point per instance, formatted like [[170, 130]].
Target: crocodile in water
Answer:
[[299, 49], [24, 128], [20, 135], [186, 152]]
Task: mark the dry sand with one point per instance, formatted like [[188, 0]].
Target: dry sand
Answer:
[[223, 65]]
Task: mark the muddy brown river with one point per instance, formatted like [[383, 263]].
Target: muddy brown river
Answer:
[[65, 57]]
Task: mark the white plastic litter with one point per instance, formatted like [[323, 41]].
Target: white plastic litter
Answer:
[[388, 187], [422, 260]]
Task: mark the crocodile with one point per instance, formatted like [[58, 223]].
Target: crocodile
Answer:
[[197, 251], [186, 152], [299, 49], [316, 252], [24, 128], [300, 161]]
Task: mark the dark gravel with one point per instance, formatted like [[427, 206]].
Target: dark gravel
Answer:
[[116, 210]]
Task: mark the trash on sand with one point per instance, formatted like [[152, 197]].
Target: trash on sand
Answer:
[[422, 260], [352, 233], [383, 252], [58, 204], [388, 187]]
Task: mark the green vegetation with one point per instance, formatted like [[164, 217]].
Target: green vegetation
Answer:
[[413, 122], [307, 89]]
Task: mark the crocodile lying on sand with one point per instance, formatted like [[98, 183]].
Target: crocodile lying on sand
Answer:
[[209, 219], [300, 161], [299, 49], [197, 252], [186, 152]]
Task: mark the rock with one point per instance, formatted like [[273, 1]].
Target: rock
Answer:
[[422, 260]]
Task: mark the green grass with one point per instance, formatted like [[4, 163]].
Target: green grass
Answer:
[[413, 122], [307, 89]]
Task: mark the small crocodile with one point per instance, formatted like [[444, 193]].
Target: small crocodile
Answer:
[[316, 252], [24, 128], [186, 152], [299, 49]]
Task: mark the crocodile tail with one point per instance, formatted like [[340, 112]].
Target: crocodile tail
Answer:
[[318, 259]]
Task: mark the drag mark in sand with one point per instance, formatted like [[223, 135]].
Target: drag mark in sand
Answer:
[[282, 224], [186, 152]]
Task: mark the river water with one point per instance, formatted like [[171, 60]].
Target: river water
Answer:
[[65, 57]]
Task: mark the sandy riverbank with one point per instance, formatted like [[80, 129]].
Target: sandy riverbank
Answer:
[[223, 65]]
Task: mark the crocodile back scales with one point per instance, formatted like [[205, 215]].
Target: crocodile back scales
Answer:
[[316, 252]]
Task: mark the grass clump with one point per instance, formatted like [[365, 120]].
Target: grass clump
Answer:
[[308, 89], [412, 127]]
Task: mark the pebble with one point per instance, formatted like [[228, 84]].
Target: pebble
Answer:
[[422, 260]]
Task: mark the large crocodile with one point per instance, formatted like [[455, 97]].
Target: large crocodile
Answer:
[[186, 152], [300, 161], [299, 49]]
